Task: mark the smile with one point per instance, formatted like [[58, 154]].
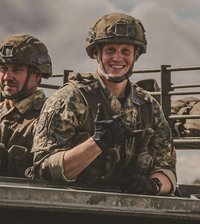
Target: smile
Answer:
[[117, 66]]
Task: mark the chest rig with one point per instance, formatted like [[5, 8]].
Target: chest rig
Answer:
[[92, 93]]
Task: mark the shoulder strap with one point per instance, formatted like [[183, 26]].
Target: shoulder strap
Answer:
[[86, 81], [145, 103], [90, 90], [147, 115]]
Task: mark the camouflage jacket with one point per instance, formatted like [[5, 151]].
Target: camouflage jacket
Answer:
[[16, 134], [68, 120]]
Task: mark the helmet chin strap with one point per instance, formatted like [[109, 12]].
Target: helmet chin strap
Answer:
[[119, 79], [112, 79]]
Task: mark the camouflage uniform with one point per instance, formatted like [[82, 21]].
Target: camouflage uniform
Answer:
[[16, 133], [17, 124], [68, 119]]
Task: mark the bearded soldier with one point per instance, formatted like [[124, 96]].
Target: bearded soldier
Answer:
[[24, 60], [100, 129]]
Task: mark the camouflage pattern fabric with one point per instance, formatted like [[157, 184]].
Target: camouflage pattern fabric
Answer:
[[186, 106], [64, 123], [16, 134]]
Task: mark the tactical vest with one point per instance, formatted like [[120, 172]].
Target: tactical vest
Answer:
[[91, 92]]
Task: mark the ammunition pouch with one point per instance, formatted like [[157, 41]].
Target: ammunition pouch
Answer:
[[19, 158], [3, 159]]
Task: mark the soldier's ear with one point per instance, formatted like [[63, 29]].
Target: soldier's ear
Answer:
[[136, 54], [37, 77]]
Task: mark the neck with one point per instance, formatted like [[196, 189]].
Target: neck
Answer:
[[118, 89]]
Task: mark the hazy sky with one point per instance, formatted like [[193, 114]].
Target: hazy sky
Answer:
[[172, 30]]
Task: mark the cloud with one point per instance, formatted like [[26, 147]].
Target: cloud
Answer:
[[23, 16], [172, 36], [61, 25], [172, 32]]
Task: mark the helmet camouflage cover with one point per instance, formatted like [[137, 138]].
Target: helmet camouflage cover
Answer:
[[28, 50], [116, 28]]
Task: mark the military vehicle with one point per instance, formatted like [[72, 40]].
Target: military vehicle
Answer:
[[37, 201]]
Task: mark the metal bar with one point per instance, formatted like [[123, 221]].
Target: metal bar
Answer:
[[48, 86], [184, 116], [187, 143], [184, 86], [187, 68], [66, 74], [155, 70], [181, 140], [165, 87], [183, 92], [57, 75], [172, 69], [147, 71]]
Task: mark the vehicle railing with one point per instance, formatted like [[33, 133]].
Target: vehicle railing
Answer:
[[167, 91]]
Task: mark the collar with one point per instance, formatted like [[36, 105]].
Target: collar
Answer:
[[35, 101]]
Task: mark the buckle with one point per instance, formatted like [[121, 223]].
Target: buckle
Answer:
[[8, 51], [120, 29]]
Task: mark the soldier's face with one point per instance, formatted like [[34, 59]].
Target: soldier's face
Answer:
[[117, 58], [12, 78]]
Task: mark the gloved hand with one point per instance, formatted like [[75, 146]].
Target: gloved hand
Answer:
[[141, 185], [109, 133]]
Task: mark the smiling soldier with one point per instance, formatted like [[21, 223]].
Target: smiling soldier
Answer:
[[100, 129]]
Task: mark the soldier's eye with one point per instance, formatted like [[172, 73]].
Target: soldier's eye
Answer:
[[110, 50], [3, 69]]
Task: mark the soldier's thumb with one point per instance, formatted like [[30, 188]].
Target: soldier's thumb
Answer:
[[100, 113]]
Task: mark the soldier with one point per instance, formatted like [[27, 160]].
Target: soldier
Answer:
[[24, 60], [100, 129]]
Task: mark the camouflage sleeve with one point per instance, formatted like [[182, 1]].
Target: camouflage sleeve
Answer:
[[161, 145], [62, 113]]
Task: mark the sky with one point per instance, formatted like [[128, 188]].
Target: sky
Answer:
[[172, 32], [172, 28]]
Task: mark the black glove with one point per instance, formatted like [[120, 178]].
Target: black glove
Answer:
[[141, 185], [109, 133]]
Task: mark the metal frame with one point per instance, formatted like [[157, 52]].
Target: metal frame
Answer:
[[38, 201], [167, 91]]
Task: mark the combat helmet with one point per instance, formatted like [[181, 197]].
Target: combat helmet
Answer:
[[116, 28], [28, 50]]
